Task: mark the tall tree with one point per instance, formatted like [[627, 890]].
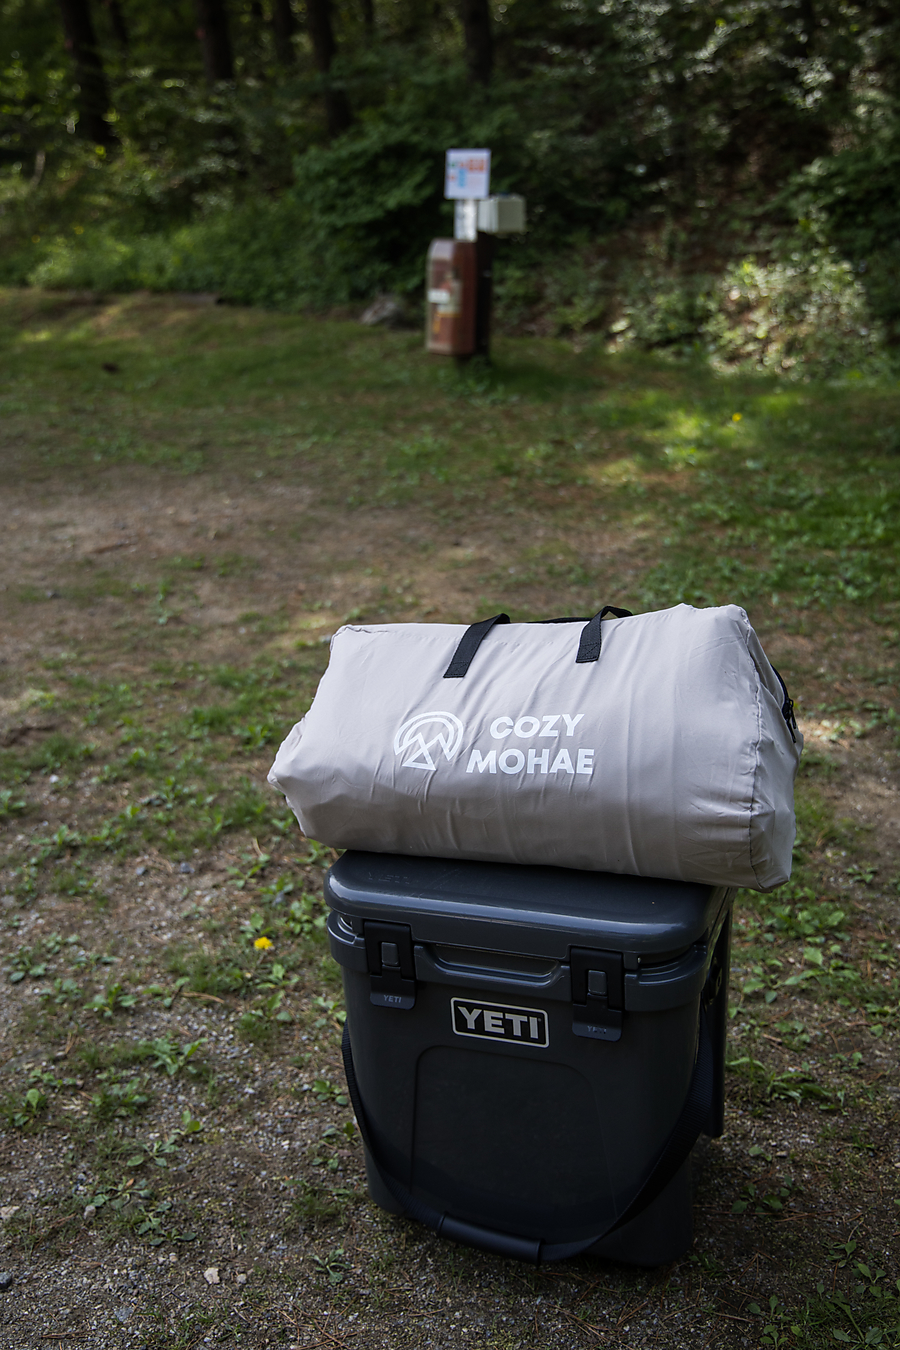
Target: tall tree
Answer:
[[215, 39], [321, 34], [476, 21], [117, 22], [93, 90], [283, 29]]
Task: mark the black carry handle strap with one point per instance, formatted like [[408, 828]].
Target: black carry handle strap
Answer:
[[674, 1154], [469, 643], [472, 638], [589, 646]]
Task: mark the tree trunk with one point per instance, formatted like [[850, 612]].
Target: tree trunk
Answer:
[[318, 20], [117, 22], [93, 95], [215, 41], [476, 21], [283, 29], [368, 13]]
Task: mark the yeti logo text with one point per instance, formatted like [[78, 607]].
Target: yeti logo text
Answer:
[[418, 737], [499, 1022]]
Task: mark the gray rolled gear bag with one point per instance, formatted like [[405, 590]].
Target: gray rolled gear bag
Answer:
[[658, 745]]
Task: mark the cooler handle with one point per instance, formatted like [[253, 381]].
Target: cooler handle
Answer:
[[697, 1107], [555, 984]]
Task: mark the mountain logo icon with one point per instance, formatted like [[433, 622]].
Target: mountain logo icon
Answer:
[[427, 732]]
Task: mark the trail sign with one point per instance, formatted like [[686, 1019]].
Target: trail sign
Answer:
[[468, 174]]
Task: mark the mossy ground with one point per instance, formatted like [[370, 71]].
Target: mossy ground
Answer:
[[194, 498]]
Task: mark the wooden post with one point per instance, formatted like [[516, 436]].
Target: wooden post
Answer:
[[484, 293]]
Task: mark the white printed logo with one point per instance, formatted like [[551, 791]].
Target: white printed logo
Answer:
[[417, 737], [499, 1022]]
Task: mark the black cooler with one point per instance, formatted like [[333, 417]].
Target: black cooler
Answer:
[[532, 1052]]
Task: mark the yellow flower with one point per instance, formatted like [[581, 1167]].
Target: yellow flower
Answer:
[[736, 417], [262, 944]]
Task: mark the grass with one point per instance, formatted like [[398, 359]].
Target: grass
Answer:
[[183, 534]]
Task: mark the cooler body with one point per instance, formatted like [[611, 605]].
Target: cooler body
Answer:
[[523, 1040]]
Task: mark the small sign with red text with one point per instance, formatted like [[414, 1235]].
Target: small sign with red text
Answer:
[[468, 174]]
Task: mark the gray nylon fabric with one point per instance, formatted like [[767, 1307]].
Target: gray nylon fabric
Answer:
[[668, 757]]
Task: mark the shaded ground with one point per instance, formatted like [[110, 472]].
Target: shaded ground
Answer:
[[181, 532]]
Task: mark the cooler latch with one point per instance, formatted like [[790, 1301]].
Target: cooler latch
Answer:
[[391, 963], [598, 993]]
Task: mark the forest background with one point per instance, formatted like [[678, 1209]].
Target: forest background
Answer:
[[721, 175]]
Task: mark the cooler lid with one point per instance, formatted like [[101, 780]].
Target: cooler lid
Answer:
[[535, 911]]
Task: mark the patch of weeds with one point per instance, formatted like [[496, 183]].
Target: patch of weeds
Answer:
[[203, 722], [56, 752], [76, 882], [796, 1085], [318, 1202], [114, 999], [260, 1024], [62, 993], [277, 976], [134, 1206], [169, 995], [159, 609], [331, 1012], [11, 803], [306, 916], [319, 855], [816, 764], [135, 1153], [35, 962], [206, 972], [253, 865], [113, 832], [276, 892], [333, 1266], [764, 1204], [165, 1054], [118, 1098], [22, 1112], [257, 735], [26, 963], [866, 1312], [793, 1034], [327, 1093], [182, 563], [255, 931], [234, 564], [247, 808]]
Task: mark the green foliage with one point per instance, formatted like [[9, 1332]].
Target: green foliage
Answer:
[[645, 140], [856, 193], [810, 308], [11, 803], [23, 1112], [112, 1000], [864, 1311], [117, 1099], [167, 1055]]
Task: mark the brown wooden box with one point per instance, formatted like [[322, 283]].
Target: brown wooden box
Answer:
[[451, 295]]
